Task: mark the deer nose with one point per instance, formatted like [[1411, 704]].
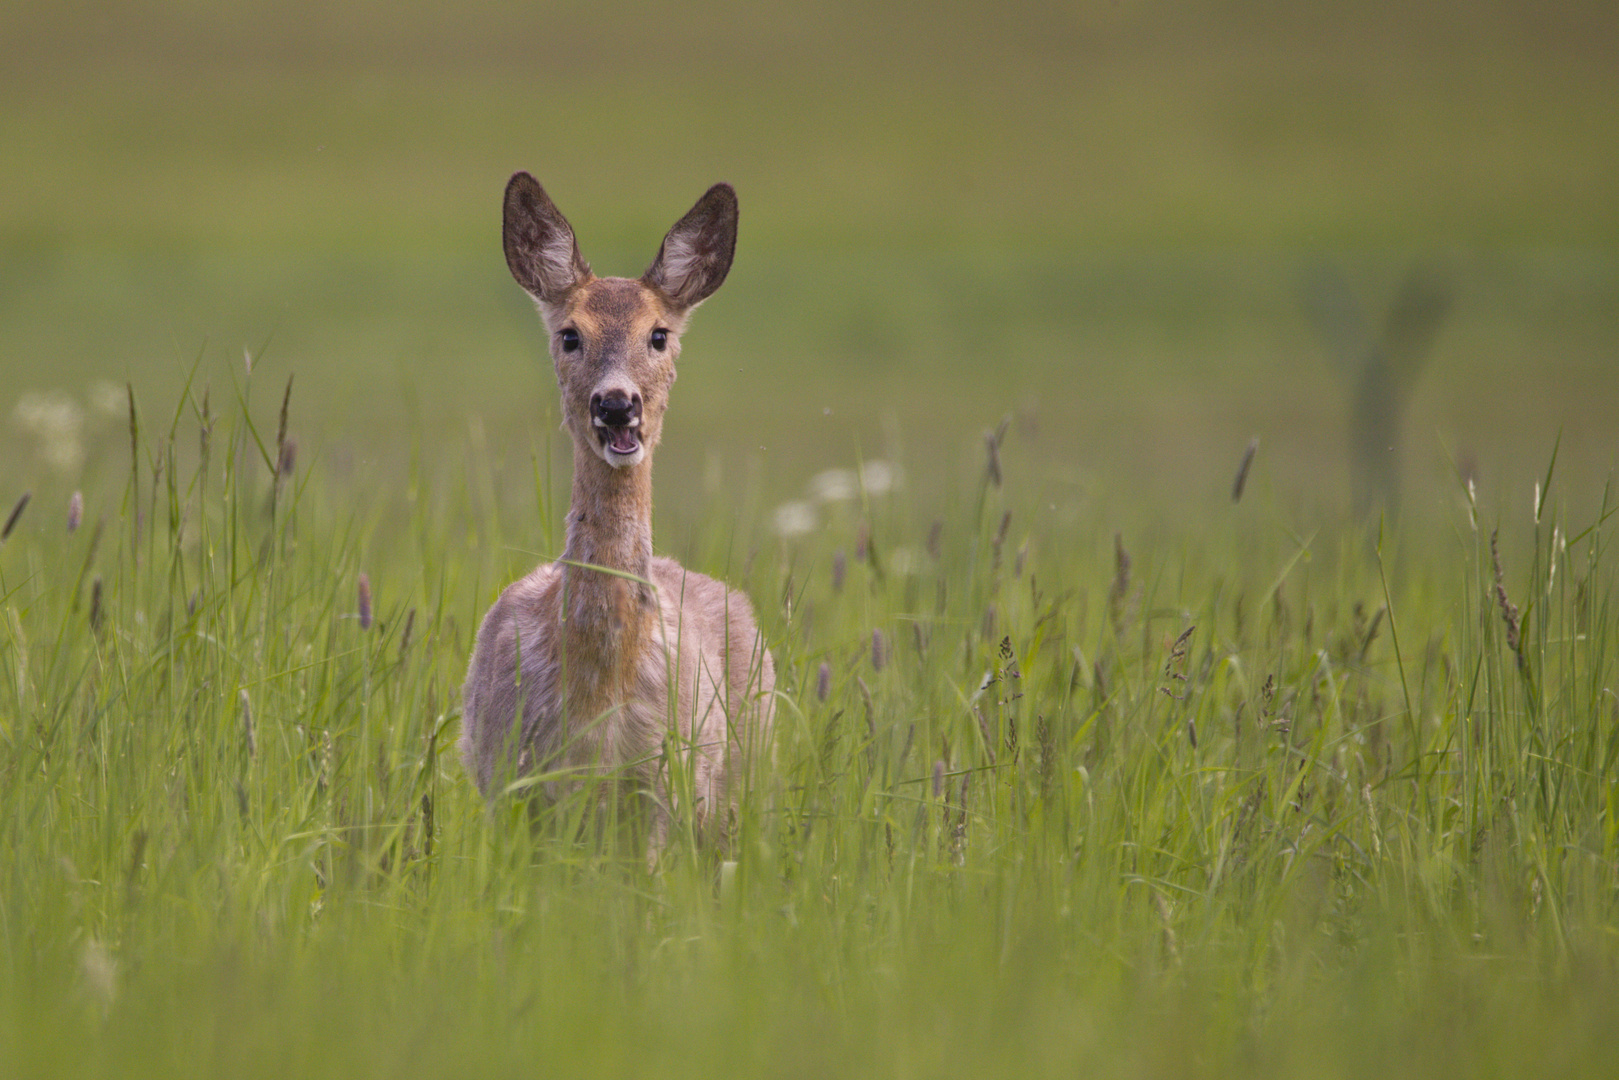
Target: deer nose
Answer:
[[615, 408]]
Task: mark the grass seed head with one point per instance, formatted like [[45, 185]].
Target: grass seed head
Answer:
[[281, 427], [286, 460], [1000, 538], [16, 512], [95, 604], [404, 635], [249, 735], [823, 681], [992, 463], [1048, 754], [365, 602], [134, 427], [75, 511], [1242, 469], [992, 451], [1119, 592], [205, 429], [1509, 610]]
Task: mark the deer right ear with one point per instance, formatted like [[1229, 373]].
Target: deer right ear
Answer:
[[540, 248]]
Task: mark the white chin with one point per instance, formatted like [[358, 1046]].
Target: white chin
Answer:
[[621, 461]]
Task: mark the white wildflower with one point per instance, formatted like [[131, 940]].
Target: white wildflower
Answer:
[[57, 422], [880, 477], [108, 399], [903, 561], [834, 485], [796, 518]]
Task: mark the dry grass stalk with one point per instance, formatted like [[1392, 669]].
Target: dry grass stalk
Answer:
[[1000, 538]]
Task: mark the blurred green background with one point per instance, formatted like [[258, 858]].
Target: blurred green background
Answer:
[[1098, 218]]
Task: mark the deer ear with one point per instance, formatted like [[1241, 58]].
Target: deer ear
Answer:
[[696, 255], [540, 248]]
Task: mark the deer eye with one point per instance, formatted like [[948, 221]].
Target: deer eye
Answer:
[[660, 339], [570, 340]]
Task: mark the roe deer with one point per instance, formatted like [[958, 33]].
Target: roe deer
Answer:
[[610, 662]]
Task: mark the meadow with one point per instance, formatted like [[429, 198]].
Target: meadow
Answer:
[[1043, 799], [1085, 761]]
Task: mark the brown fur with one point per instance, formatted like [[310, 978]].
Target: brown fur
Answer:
[[577, 671]]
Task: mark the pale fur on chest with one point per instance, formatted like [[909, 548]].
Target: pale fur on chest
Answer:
[[577, 683]]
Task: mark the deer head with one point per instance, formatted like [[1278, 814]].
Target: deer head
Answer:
[[614, 341]]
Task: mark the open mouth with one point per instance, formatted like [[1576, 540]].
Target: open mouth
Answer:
[[623, 440]]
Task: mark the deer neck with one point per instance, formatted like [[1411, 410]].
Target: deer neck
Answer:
[[608, 617]]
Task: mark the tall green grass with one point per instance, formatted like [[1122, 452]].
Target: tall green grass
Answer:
[[1047, 797]]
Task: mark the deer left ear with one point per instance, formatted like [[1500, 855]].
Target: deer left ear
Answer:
[[697, 253]]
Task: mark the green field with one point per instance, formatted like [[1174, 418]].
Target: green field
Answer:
[[1111, 774]]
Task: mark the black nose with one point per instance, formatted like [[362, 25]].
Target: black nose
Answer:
[[616, 408]]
